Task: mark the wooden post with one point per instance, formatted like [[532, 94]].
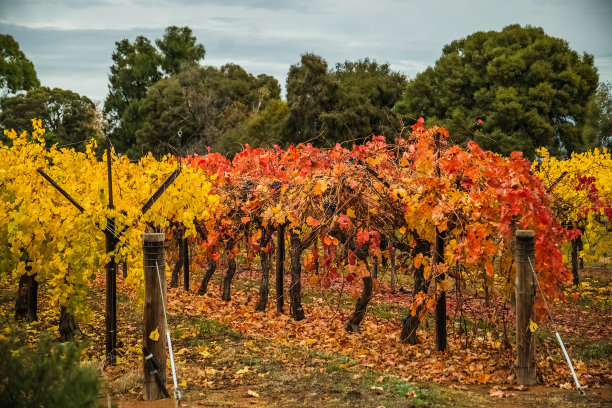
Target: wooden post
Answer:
[[154, 336], [111, 276], [438, 258], [441, 302], [525, 297]]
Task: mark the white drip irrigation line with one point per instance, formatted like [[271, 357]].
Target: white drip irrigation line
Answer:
[[567, 358], [177, 393]]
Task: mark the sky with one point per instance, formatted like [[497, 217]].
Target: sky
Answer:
[[71, 42]]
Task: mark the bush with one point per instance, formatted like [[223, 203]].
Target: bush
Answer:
[[46, 375]]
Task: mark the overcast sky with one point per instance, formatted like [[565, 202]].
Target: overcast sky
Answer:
[[70, 42]]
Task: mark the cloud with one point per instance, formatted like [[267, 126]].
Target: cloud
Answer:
[[75, 38]]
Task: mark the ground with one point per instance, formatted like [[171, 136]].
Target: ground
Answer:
[[228, 355]]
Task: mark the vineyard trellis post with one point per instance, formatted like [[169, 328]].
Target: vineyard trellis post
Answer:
[[438, 258], [154, 336], [110, 315], [111, 244], [525, 299]]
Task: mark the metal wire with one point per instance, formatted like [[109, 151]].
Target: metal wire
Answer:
[[567, 358]]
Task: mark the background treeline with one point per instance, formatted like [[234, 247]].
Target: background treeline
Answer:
[[517, 89]]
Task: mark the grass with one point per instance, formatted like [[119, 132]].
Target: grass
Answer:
[[385, 310], [339, 362], [598, 351], [214, 330]]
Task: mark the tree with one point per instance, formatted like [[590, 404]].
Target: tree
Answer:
[[178, 47], [349, 103], [70, 119], [138, 66], [367, 93], [310, 92], [598, 129], [16, 71], [202, 103], [527, 88], [135, 67], [263, 129]]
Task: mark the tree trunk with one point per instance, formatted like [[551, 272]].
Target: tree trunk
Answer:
[[124, 267], [264, 255], [178, 265], [393, 271], [360, 307], [265, 278], [295, 291], [68, 325], [280, 267], [411, 323], [575, 246], [185, 264], [209, 273], [231, 270], [26, 306]]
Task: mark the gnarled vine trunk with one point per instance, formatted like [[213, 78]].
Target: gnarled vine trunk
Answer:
[[179, 263], [26, 306], [68, 325], [295, 291], [576, 244], [280, 267], [212, 267], [264, 255], [411, 323], [360, 306], [231, 271]]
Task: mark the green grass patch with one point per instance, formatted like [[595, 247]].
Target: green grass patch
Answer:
[[339, 362], [250, 361], [214, 330], [384, 310], [599, 351]]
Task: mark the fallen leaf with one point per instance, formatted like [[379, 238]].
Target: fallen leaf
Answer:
[[496, 392], [252, 393], [154, 335], [483, 378]]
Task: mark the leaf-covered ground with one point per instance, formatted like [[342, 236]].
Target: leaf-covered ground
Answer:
[[229, 355]]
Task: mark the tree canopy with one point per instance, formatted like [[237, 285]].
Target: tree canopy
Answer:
[[17, 73], [201, 103], [136, 67], [516, 89], [69, 118], [349, 103], [598, 129]]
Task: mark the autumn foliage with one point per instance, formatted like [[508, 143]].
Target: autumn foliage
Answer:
[[344, 210]]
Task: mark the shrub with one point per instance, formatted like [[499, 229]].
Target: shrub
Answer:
[[48, 374]]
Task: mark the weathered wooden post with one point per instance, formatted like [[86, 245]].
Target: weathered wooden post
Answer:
[[110, 315], [525, 296], [440, 312], [154, 339]]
